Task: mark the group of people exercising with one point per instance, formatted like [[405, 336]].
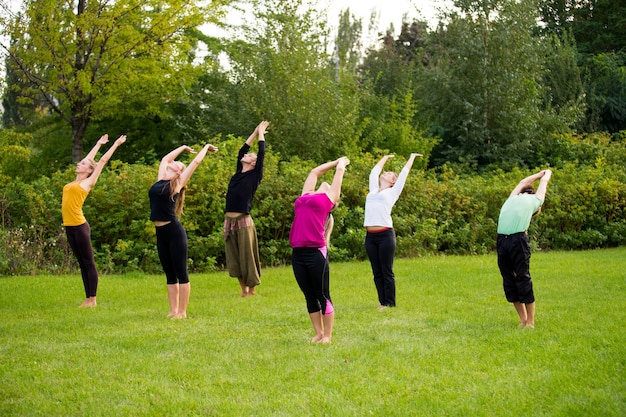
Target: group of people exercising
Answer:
[[309, 233]]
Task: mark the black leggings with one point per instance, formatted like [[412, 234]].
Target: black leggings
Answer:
[[172, 248], [79, 238], [310, 267], [381, 249]]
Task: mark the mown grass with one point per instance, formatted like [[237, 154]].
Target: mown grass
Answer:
[[451, 347]]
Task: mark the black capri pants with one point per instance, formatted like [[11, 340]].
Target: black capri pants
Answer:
[[514, 263], [172, 246], [311, 270]]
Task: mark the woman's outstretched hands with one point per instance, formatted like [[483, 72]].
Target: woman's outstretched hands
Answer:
[[103, 139], [262, 127], [343, 162]]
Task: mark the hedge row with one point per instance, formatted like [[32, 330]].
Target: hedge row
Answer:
[[440, 211]]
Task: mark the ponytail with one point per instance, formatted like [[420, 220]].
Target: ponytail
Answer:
[[180, 202]]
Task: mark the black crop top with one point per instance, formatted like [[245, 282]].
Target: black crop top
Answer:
[[243, 185], [162, 208]]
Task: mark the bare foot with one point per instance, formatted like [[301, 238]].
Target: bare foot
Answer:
[[172, 314], [245, 294], [88, 303], [180, 316], [382, 307], [317, 339], [326, 340]]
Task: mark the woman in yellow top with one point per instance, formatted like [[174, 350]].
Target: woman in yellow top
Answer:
[[77, 228]]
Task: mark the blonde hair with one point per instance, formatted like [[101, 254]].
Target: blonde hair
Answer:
[[328, 228], [91, 163], [180, 202]]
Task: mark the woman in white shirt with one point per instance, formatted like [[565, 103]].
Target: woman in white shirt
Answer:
[[380, 241]]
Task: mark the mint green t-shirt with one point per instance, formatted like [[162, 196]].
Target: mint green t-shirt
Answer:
[[516, 213]]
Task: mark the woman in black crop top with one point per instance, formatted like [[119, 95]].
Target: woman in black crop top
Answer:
[[239, 232], [167, 197]]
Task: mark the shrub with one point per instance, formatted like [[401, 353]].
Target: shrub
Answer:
[[439, 211]]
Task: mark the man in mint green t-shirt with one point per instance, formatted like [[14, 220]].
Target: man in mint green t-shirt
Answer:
[[513, 245]]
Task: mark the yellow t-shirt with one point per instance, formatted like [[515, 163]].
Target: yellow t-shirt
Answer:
[[72, 204]]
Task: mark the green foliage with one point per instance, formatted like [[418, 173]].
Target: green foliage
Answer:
[[95, 60], [14, 154], [586, 210], [606, 92], [485, 85], [445, 210], [280, 72]]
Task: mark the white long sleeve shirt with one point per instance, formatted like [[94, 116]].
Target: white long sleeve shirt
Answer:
[[378, 204]]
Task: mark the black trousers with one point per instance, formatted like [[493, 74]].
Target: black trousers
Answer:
[[312, 273], [79, 238], [381, 250], [514, 263], [172, 246]]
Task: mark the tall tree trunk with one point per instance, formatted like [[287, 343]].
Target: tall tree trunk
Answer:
[[79, 127]]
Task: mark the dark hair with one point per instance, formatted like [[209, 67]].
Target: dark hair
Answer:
[[528, 190]]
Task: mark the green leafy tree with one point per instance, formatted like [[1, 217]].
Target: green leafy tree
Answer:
[[92, 60], [563, 82], [485, 85], [394, 66], [392, 115], [347, 53], [598, 26], [605, 83], [598, 29], [281, 73]]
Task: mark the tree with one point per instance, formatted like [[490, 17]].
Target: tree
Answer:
[[280, 71], [348, 42], [598, 29], [391, 111], [598, 26], [91, 60], [564, 88], [486, 84], [394, 66]]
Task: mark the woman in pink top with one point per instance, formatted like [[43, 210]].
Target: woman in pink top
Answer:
[[308, 241]]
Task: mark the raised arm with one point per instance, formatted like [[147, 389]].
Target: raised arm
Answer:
[[383, 161], [261, 129], [412, 157], [259, 132], [94, 151], [188, 172], [315, 174], [404, 174], [543, 184], [526, 182], [91, 180], [170, 157], [335, 188]]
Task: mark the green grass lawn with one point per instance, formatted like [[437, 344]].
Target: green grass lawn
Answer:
[[451, 347]]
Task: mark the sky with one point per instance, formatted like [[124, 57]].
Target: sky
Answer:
[[389, 10]]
